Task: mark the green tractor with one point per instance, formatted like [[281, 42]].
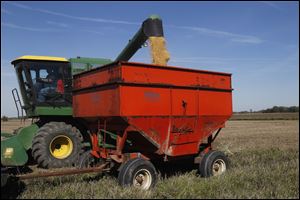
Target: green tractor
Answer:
[[56, 139]]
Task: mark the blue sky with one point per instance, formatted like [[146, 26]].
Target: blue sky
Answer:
[[258, 42]]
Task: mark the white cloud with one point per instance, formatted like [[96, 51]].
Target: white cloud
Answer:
[[220, 59], [63, 25], [247, 39], [96, 32], [74, 17], [216, 33], [271, 4], [10, 25], [19, 5]]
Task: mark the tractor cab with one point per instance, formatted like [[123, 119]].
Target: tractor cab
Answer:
[[46, 82]]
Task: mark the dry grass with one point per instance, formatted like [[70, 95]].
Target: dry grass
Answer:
[[264, 174], [12, 124], [264, 159], [259, 134]]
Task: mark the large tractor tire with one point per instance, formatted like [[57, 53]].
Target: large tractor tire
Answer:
[[56, 145]]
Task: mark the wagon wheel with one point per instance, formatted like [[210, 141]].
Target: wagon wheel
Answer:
[[214, 163], [57, 144], [138, 173], [87, 160]]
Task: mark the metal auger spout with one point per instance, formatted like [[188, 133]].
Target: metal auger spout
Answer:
[[151, 29]]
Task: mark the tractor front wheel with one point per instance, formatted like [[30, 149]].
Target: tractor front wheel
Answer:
[[57, 144]]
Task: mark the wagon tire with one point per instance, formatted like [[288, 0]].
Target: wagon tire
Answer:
[[87, 160], [139, 173], [213, 163], [56, 145]]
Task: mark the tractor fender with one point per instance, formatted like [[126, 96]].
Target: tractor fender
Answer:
[[14, 148]]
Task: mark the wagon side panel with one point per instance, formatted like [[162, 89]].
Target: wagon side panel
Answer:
[[96, 102]]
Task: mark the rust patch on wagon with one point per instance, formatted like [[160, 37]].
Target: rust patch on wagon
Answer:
[[182, 129]]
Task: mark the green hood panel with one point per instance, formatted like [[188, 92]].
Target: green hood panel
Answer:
[[13, 152], [14, 148], [25, 135]]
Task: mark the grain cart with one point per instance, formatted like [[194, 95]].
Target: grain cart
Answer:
[[139, 113]]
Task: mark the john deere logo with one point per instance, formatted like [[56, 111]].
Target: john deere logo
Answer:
[[8, 152]]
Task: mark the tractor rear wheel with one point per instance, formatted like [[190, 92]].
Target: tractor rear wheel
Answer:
[[57, 144], [213, 163], [139, 173]]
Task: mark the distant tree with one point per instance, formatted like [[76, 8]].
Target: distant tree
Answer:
[[4, 118], [244, 111], [293, 109], [281, 109]]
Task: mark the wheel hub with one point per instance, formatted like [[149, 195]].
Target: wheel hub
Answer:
[[218, 167], [142, 179], [61, 147]]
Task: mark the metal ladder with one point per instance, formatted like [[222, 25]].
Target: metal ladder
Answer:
[[18, 104]]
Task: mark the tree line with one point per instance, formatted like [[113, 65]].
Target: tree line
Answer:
[[276, 109]]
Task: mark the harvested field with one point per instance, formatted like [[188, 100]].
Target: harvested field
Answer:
[[265, 116], [259, 134], [13, 124], [264, 157]]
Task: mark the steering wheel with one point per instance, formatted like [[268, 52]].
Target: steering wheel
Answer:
[[39, 80]]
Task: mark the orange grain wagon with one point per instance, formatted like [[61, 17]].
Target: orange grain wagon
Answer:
[[138, 113]]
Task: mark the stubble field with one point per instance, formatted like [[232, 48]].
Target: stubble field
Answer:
[[264, 163]]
